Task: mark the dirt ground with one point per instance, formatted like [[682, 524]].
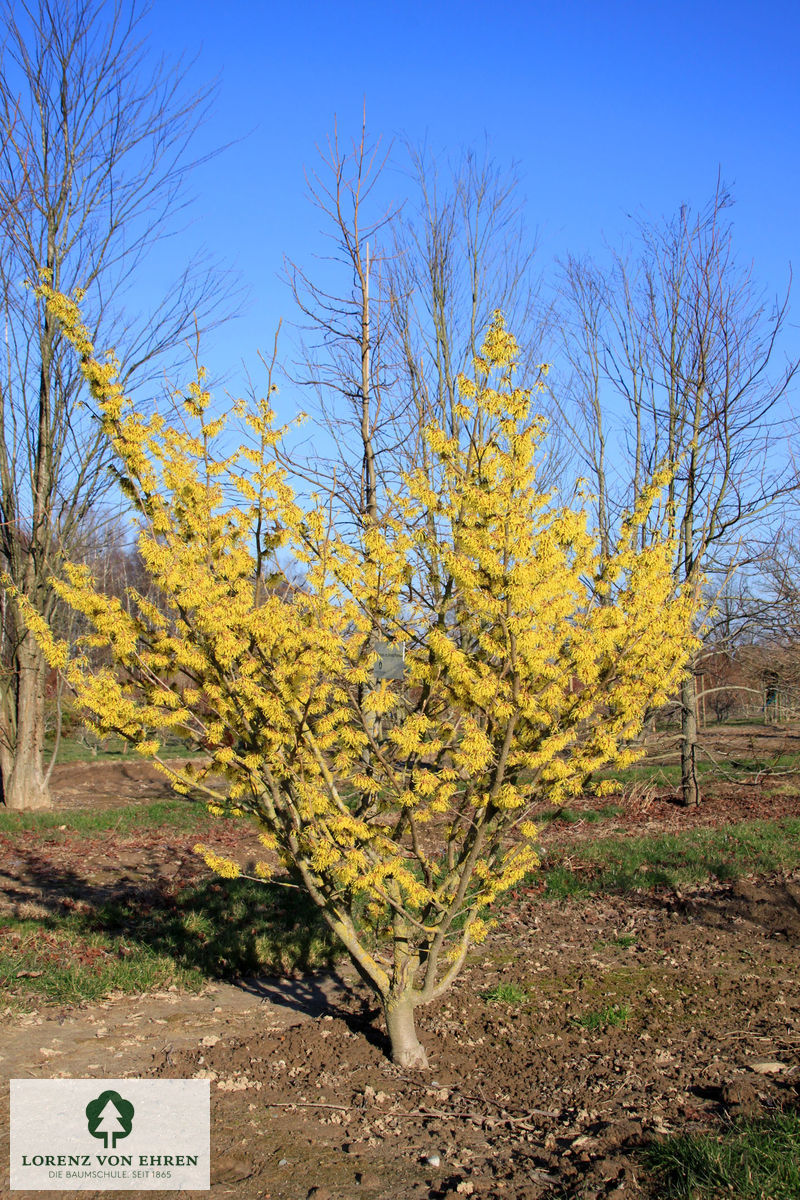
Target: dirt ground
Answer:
[[542, 1098]]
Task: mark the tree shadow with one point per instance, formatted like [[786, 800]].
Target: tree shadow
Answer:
[[770, 904], [224, 929], [315, 995]]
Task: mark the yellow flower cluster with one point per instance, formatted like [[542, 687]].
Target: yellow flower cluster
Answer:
[[225, 867]]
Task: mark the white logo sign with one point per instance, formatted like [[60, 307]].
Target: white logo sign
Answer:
[[110, 1134]]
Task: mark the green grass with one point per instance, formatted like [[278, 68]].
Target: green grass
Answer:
[[610, 1017], [672, 860], [506, 993], [753, 1160], [72, 748], [65, 969], [225, 929], [737, 768], [83, 949], [571, 816], [213, 930], [175, 813], [230, 928]]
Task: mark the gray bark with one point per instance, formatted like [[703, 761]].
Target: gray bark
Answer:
[[407, 1052], [25, 784], [690, 787]]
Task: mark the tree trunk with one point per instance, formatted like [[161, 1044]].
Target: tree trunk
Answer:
[[25, 784], [690, 788], [406, 1049]]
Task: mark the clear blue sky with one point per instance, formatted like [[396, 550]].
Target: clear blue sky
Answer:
[[608, 107]]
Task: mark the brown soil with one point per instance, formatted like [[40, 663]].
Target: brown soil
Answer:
[[113, 783], [529, 1100]]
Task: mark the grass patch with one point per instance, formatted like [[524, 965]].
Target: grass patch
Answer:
[[737, 767], [672, 860], [151, 938], [62, 968], [231, 928], [75, 748], [571, 816], [610, 1017], [175, 813], [506, 993], [751, 1160]]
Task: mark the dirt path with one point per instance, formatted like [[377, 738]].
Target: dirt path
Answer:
[[123, 1037], [51, 1043]]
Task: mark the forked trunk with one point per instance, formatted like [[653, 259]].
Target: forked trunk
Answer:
[[690, 787], [406, 1049], [25, 784]]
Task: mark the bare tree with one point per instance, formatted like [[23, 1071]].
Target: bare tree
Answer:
[[94, 155], [344, 308], [399, 308], [461, 251], [672, 354]]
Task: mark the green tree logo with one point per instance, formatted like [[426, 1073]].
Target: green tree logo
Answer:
[[109, 1117]]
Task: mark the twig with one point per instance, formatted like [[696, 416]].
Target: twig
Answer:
[[536, 1112], [307, 1104], [114, 830], [421, 1112], [521, 1122]]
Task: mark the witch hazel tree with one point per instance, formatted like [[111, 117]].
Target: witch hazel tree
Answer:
[[403, 806]]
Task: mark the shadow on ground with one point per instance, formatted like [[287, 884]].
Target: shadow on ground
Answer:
[[225, 929]]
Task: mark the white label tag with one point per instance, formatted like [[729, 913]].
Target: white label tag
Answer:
[[110, 1134]]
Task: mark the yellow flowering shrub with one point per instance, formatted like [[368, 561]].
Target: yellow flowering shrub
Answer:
[[529, 661]]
